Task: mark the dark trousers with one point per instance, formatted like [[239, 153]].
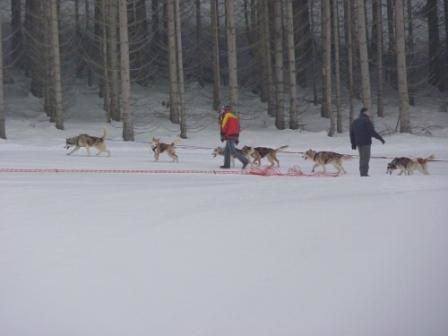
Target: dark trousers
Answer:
[[230, 150], [364, 158]]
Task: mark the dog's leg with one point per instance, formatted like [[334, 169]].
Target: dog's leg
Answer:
[[314, 167], [73, 150], [88, 150]]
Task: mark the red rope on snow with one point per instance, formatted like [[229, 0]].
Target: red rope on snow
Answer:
[[294, 171]]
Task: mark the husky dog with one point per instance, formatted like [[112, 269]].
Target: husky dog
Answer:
[[324, 157], [220, 151], [160, 147], [257, 153], [408, 166], [87, 141]]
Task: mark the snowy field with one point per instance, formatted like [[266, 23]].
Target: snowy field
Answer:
[[89, 254]]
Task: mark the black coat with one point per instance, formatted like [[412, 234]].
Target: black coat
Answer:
[[362, 131]]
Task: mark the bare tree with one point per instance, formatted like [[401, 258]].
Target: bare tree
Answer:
[[336, 119], [114, 61], [267, 57], [126, 113], [326, 62], [363, 55], [349, 43], [401, 67], [180, 69], [173, 71], [411, 53], [379, 57], [16, 29], [279, 66], [215, 55], [2, 97], [56, 60], [231, 53], [434, 43], [293, 103]]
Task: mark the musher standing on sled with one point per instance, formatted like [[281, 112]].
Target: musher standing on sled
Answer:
[[230, 132]]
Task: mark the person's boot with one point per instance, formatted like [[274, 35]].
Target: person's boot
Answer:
[[224, 167]]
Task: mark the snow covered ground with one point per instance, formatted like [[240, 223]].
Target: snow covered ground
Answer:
[[88, 254]]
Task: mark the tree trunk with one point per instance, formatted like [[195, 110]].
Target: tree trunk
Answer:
[[231, 54], [293, 103], [2, 96], [391, 57], [155, 30], [269, 75], [215, 53], [37, 44], [349, 44], [105, 14], [199, 48], [326, 60], [445, 9], [16, 29], [279, 67], [434, 43], [173, 71], [56, 59], [88, 45], [411, 53], [180, 74], [313, 57], [364, 56], [126, 113], [336, 119], [303, 39], [379, 58], [114, 60], [401, 67]]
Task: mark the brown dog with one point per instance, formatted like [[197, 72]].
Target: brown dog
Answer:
[[407, 165], [324, 157], [258, 153], [160, 147]]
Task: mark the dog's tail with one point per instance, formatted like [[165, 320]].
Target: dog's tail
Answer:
[[280, 148], [425, 160], [175, 142], [104, 133], [347, 157]]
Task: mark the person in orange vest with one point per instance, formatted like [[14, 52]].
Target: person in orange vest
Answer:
[[230, 132]]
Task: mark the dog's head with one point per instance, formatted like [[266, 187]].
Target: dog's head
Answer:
[[247, 150], [309, 154], [391, 166], [69, 142], [155, 141], [217, 151]]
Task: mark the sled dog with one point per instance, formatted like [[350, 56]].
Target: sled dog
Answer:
[[408, 165], [220, 151], [161, 147], [87, 141], [258, 153], [323, 158]]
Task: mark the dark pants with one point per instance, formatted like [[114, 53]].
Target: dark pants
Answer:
[[364, 158], [230, 150]]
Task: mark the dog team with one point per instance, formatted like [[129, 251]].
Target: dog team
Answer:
[[361, 133]]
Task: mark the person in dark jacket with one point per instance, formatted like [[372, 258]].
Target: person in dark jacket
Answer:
[[361, 133], [230, 132]]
